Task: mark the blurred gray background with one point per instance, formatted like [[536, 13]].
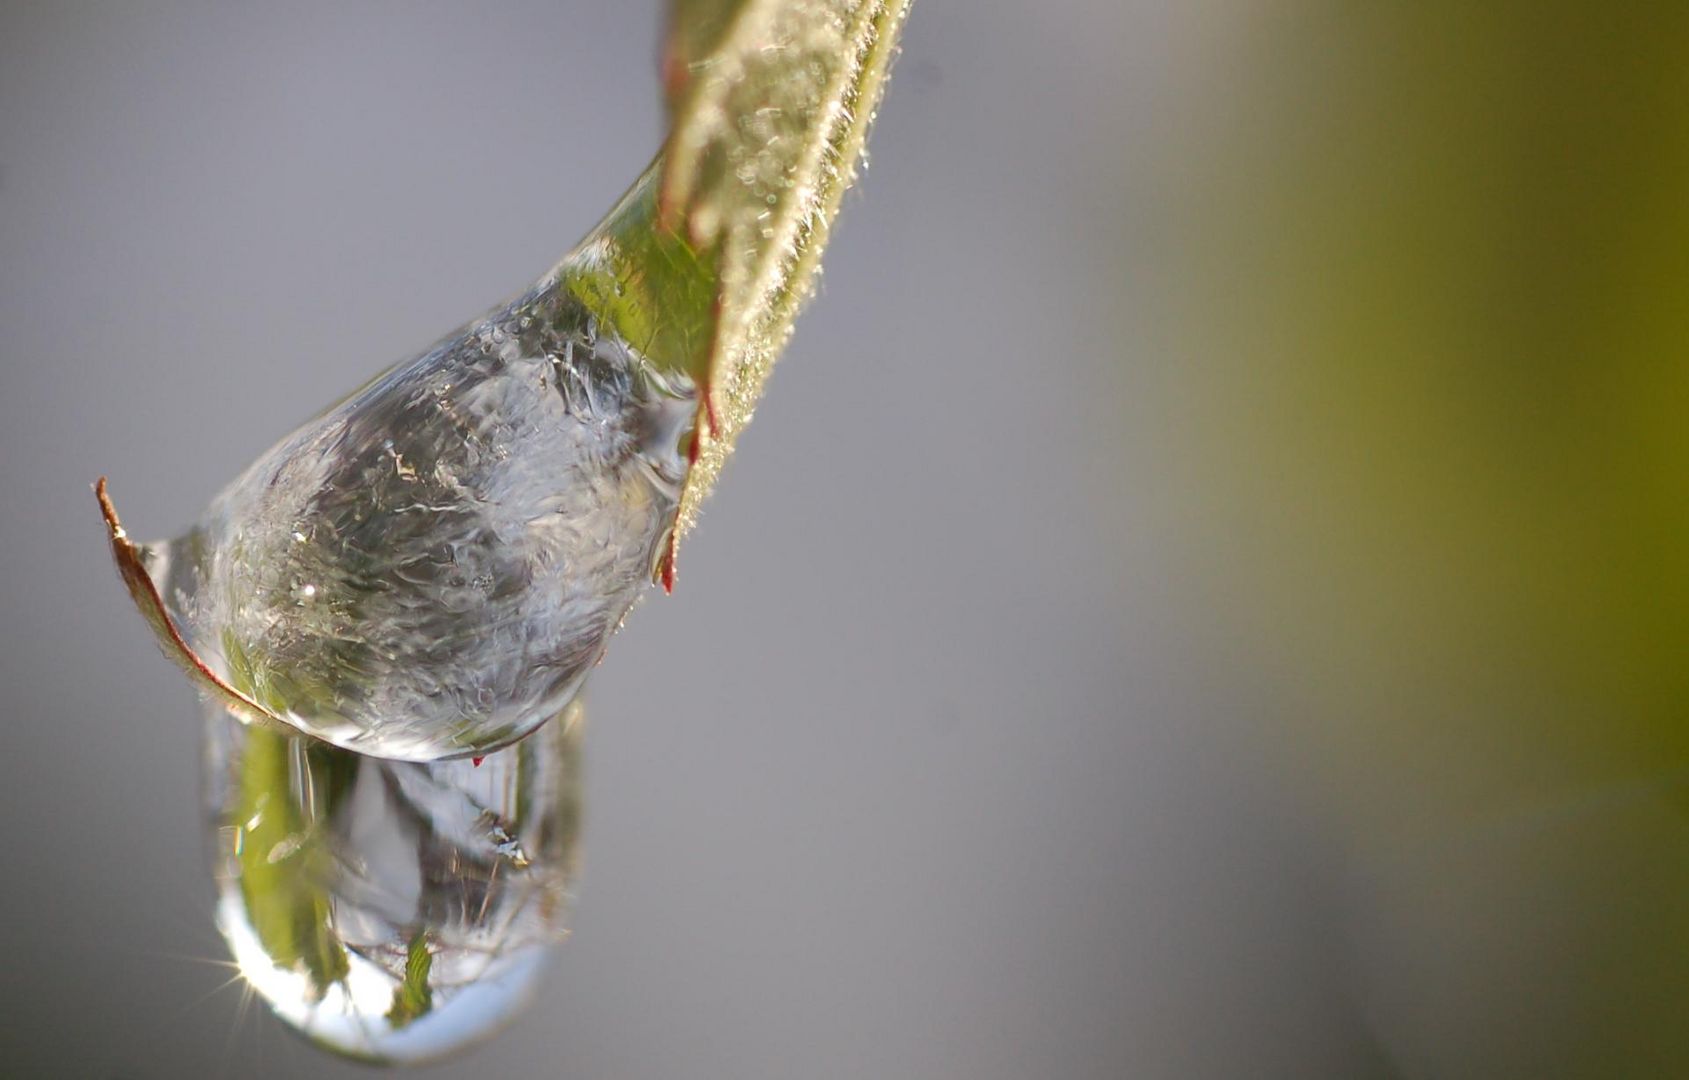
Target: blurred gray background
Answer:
[[939, 763], [893, 785]]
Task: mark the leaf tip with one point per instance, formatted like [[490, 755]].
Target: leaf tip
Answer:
[[144, 592], [114, 527]]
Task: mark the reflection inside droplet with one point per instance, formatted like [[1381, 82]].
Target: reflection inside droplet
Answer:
[[391, 911], [430, 568]]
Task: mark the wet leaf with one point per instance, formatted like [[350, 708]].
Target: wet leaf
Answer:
[[771, 102], [430, 568], [132, 566]]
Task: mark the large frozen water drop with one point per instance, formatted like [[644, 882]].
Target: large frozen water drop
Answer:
[[430, 568]]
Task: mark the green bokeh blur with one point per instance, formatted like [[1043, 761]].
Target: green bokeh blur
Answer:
[[1421, 376]]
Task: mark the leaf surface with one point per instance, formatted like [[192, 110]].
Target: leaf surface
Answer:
[[770, 104]]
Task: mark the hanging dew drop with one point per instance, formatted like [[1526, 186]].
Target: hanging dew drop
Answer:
[[391, 911]]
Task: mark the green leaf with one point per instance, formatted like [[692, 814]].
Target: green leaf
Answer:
[[771, 102]]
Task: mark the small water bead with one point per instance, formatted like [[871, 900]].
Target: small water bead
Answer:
[[391, 911]]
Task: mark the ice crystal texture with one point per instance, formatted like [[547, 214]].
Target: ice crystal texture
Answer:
[[390, 911], [430, 568]]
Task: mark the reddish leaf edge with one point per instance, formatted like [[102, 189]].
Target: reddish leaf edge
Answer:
[[144, 591]]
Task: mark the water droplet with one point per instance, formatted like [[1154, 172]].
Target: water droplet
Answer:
[[391, 911]]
